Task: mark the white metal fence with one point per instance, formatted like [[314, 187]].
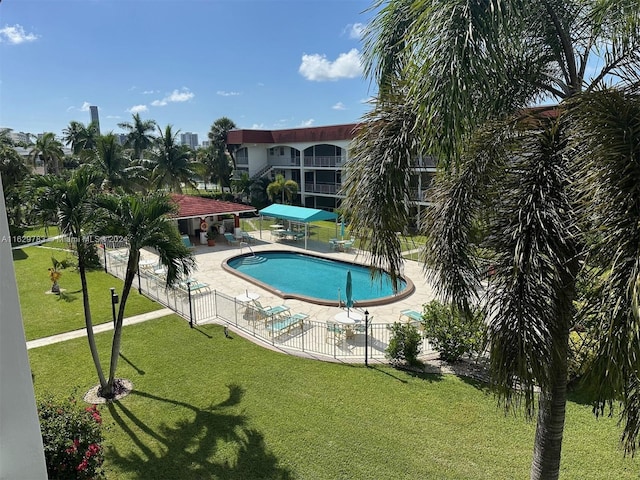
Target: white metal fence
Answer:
[[306, 335]]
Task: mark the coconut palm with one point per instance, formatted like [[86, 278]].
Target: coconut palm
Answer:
[[111, 163], [454, 77], [143, 221], [140, 136], [80, 137], [49, 150], [283, 188], [172, 164]]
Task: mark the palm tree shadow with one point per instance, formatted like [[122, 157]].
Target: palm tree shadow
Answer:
[[189, 449], [67, 296]]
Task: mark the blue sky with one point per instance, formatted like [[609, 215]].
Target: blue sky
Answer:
[[265, 64]]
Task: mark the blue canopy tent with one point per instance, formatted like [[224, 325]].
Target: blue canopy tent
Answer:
[[296, 214]]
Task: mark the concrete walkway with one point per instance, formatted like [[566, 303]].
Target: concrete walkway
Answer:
[[103, 327]]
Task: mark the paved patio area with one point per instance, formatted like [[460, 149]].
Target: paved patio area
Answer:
[[209, 270]]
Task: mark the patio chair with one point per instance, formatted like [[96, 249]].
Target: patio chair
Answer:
[[335, 333], [194, 286], [348, 246], [333, 245], [231, 240], [412, 317], [360, 327]]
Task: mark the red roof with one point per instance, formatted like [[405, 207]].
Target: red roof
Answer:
[[293, 135], [190, 206]]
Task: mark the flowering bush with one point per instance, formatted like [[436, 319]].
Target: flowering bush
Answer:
[[72, 438]]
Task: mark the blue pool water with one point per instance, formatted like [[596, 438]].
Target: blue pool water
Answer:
[[297, 274]]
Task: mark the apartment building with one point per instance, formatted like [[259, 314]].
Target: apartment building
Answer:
[[314, 157]]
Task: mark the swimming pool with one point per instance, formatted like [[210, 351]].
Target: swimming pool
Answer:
[[315, 279]]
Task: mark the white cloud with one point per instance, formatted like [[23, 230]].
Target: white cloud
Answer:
[[224, 93], [339, 106], [317, 68], [138, 109], [16, 35], [150, 92], [176, 96], [257, 126], [85, 107], [114, 117], [307, 123], [355, 30]]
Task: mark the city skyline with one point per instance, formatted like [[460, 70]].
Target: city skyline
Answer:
[[263, 64]]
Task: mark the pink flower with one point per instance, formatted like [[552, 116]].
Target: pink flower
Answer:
[[83, 466]]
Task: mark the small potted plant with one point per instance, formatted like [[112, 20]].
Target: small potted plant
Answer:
[[55, 273], [211, 238]]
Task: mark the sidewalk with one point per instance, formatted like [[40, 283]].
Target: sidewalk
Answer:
[[103, 327]]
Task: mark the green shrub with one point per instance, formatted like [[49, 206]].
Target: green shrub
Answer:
[[72, 438], [451, 333], [405, 344], [581, 353]]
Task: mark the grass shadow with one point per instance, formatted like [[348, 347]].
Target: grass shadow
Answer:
[[202, 332], [212, 443]]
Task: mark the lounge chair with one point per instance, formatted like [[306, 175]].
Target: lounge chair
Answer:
[[268, 313], [231, 240], [285, 324], [194, 286], [413, 317], [187, 242], [248, 238], [348, 246]]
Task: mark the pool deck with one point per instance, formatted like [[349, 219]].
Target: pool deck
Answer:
[[209, 269]]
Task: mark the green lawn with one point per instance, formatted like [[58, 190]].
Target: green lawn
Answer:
[[209, 407], [45, 314]]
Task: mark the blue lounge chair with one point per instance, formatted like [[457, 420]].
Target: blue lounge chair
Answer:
[[187, 242], [268, 313], [413, 317], [286, 324], [231, 240]]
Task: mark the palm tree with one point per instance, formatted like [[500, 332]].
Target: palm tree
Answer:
[[218, 136], [49, 150], [113, 166], [75, 212], [282, 187], [13, 173], [139, 137], [172, 165], [144, 223], [454, 77], [80, 137]]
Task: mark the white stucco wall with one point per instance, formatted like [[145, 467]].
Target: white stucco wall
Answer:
[[21, 450]]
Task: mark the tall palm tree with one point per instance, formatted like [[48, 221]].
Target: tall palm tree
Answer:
[[80, 137], [453, 77], [218, 136], [49, 150], [283, 188], [140, 136], [109, 160], [172, 163], [75, 213], [143, 221]]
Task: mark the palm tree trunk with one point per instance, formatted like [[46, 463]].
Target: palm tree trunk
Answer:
[[132, 268], [551, 415], [89, 324]]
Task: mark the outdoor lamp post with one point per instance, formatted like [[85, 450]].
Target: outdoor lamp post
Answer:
[[190, 308], [104, 250], [114, 301], [366, 337]]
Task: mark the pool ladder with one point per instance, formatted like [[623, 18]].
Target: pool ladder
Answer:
[[246, 244]]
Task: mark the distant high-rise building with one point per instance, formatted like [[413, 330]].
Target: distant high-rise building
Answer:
[[94, 116], [190, 139]]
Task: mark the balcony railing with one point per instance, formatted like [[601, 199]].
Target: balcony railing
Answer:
[[327, 188], [329, 161]]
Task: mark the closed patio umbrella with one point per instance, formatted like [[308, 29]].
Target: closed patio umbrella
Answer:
[[349, 292], [342, 229]]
